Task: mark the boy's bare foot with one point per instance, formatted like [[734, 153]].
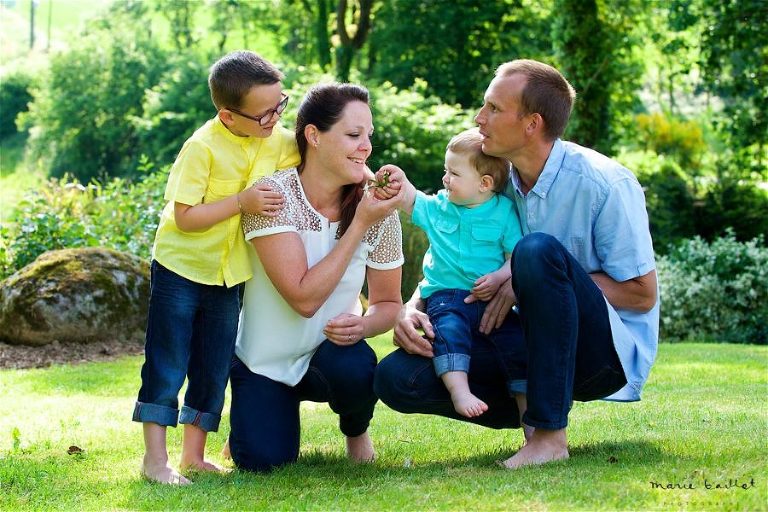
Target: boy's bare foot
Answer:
[[543, 446], [201, 466], [163, 473], [225, 453], [467, 404], [360, 448]]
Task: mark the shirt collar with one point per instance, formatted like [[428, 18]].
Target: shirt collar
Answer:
[[219, 127], [548, 174]]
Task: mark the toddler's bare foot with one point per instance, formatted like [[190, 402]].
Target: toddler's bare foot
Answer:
[[360, 448], [162, 473], [201, 466], [225, 453], [467, 404], [543, 446]]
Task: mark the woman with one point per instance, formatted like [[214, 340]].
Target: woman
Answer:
[[301, 334]]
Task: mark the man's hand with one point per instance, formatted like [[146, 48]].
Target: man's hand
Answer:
[[407, 335], [261, 200], [497, 309]]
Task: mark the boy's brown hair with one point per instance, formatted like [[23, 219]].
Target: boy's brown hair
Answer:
[[233, 75], [470, 142]]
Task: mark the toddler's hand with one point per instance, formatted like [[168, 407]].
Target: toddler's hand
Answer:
[[260, 199], [486, 286]]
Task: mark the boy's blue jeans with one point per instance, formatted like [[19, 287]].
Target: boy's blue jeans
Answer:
[[191, 331], [265, 413], [457, 328]]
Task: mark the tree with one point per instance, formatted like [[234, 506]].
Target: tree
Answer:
[[735, 68], [454, 45], [596, 54]]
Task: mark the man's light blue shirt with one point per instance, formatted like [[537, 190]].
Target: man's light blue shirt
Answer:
[[596, 209], [465, 243]]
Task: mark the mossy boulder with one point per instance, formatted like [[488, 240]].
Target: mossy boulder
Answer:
[[82, 295]]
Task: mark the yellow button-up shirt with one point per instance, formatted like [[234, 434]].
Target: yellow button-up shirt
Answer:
[[215, 164]]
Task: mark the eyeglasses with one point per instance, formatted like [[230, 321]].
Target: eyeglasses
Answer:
[[267, 117]]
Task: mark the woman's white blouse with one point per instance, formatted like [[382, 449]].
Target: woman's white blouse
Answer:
[[272, 339]]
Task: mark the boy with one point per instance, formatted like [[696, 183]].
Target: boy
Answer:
[[472, 230], [200, 258]]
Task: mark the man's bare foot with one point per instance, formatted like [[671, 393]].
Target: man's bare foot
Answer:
[[225, 453], [543, 446], [467, 404], [360, 448], [162, 473], [202, 466]]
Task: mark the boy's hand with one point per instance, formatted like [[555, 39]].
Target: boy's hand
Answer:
[[394, 183], [261, 200]]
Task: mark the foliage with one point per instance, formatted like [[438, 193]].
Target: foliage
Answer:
[[715, 291], [14, 97], [683, 140], [415, 244], [703, 416], [81, 114], [668, 197], [597, 56], [119, 214], [735, 68], [175, 107], [412, 131], [733, 205], [454, 46]]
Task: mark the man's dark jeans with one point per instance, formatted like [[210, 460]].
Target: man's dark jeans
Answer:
[[567, 333]]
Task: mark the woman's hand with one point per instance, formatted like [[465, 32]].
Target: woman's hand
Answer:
[[371, 210], [345, 329]]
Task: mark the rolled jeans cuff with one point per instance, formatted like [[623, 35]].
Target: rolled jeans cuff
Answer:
[[517, 386], [206, 421], [451, 363], [153, 413]]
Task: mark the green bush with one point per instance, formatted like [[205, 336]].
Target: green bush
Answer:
[[174, 108], [15, 95], [715, 291], [82, 112], [120, 215]]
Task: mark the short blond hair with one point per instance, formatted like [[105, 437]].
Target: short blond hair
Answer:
[[546, 93], [470, 142]]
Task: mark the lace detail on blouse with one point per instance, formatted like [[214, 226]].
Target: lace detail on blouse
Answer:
[[295, 213], [384, 239]]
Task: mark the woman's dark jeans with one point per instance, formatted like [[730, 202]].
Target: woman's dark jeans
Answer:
[[265, 413], [565, 320]]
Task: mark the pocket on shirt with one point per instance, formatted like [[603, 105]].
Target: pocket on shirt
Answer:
[[446, 226], [482, 235], [221, 189]]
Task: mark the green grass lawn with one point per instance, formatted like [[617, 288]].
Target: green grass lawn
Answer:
[[703, 421]]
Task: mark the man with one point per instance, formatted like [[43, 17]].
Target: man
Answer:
[[583, 276]]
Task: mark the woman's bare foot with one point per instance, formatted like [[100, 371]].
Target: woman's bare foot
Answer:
[[162, 473], [467, 404], [225, 453], [542, 447], [360, 448]]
